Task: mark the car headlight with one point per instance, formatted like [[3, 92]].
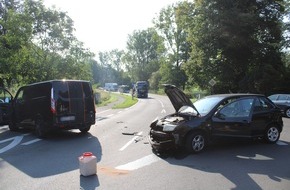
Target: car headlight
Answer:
[[169, 127]]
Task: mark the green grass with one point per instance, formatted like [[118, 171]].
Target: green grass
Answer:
[[128, 102], [107, 98]]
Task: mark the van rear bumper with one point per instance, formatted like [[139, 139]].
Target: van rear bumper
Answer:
[[73, 122]]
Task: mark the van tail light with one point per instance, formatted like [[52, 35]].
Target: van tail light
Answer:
[[52, 102]]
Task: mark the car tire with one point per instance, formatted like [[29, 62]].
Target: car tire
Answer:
[[272, 134], [40, 130], [85, 129], [196, 142], [12, 126], [287, 112]]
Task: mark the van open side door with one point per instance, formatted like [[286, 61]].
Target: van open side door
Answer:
[[5, 105]]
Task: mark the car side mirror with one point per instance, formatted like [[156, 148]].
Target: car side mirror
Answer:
[[219, 115]]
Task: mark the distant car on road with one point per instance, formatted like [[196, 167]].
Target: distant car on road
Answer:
[[195, 125], [283, 102], [124, 89], [111, 87]]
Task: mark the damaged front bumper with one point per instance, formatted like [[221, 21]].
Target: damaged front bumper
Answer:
[[161, 141]]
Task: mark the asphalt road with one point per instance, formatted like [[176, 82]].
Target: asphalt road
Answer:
[[125, 159]]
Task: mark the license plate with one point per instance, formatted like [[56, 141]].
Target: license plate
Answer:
[[67, 118]]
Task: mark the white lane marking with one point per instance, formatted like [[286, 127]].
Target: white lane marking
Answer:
[[256, 157], [110, 115], [163, 111], [103, 111], [162, 105], [15, 141], [120, 111], [31, 142], [145, 161], [131, 141], [281, 143]]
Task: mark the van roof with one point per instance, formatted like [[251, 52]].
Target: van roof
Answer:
[[56, 80]]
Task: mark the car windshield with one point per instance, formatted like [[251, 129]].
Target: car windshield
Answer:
[[205, 105], [187, 110]]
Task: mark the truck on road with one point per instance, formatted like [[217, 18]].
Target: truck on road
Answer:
[[141, 89]]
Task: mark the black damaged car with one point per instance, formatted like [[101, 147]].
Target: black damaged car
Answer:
[[194, 125]]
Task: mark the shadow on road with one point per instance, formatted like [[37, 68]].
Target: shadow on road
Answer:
[[237, 161], [57, 154], [89, 182]]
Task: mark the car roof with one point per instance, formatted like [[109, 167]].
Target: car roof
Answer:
[[235, 95], [280, 94]]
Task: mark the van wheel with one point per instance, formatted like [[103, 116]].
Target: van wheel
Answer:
[[13, 126], [40, 128], [85, 129]]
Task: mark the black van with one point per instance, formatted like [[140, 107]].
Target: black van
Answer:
[[55, 104]]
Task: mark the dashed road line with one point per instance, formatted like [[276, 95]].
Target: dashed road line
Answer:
[[131, 141], [31, 142], [162, 105], [281, 143], [145, 161], [103, 111]]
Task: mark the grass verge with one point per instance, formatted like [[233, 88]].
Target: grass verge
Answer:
[[107, 98], [128, 102]]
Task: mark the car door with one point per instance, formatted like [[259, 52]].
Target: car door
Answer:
[[233, 119], [21, 106], [264, 113], [5, 105]]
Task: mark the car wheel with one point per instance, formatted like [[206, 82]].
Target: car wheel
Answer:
[[40, 130], [12, 126], [195, 142], [272, 134], [287, 112], [85, 129]]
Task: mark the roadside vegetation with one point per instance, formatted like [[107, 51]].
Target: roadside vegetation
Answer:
[[105, 98], [215, 46], [128, 102]]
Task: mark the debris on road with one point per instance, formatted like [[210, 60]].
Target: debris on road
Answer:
[[128, 133]]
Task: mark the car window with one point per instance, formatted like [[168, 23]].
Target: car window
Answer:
[[262, 104], [205, 105], [273, 97], [282, 97], [19, 97], [239, 108], [225, 102], [5, 97]]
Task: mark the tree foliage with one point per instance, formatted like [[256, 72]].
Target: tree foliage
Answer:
[[144, 53], [242, 45], [238, 44], [38, 43]]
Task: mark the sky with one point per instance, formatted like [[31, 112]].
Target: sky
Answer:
[[104, 25]]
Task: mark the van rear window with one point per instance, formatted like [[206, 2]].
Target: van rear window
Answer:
[[75, 89], [71, 95]]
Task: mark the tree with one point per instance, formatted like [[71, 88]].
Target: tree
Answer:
[[237, 43], [38, 44], [144, 52], [169, 25], [15, 33]]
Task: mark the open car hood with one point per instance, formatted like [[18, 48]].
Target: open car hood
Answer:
[[177, 97]]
